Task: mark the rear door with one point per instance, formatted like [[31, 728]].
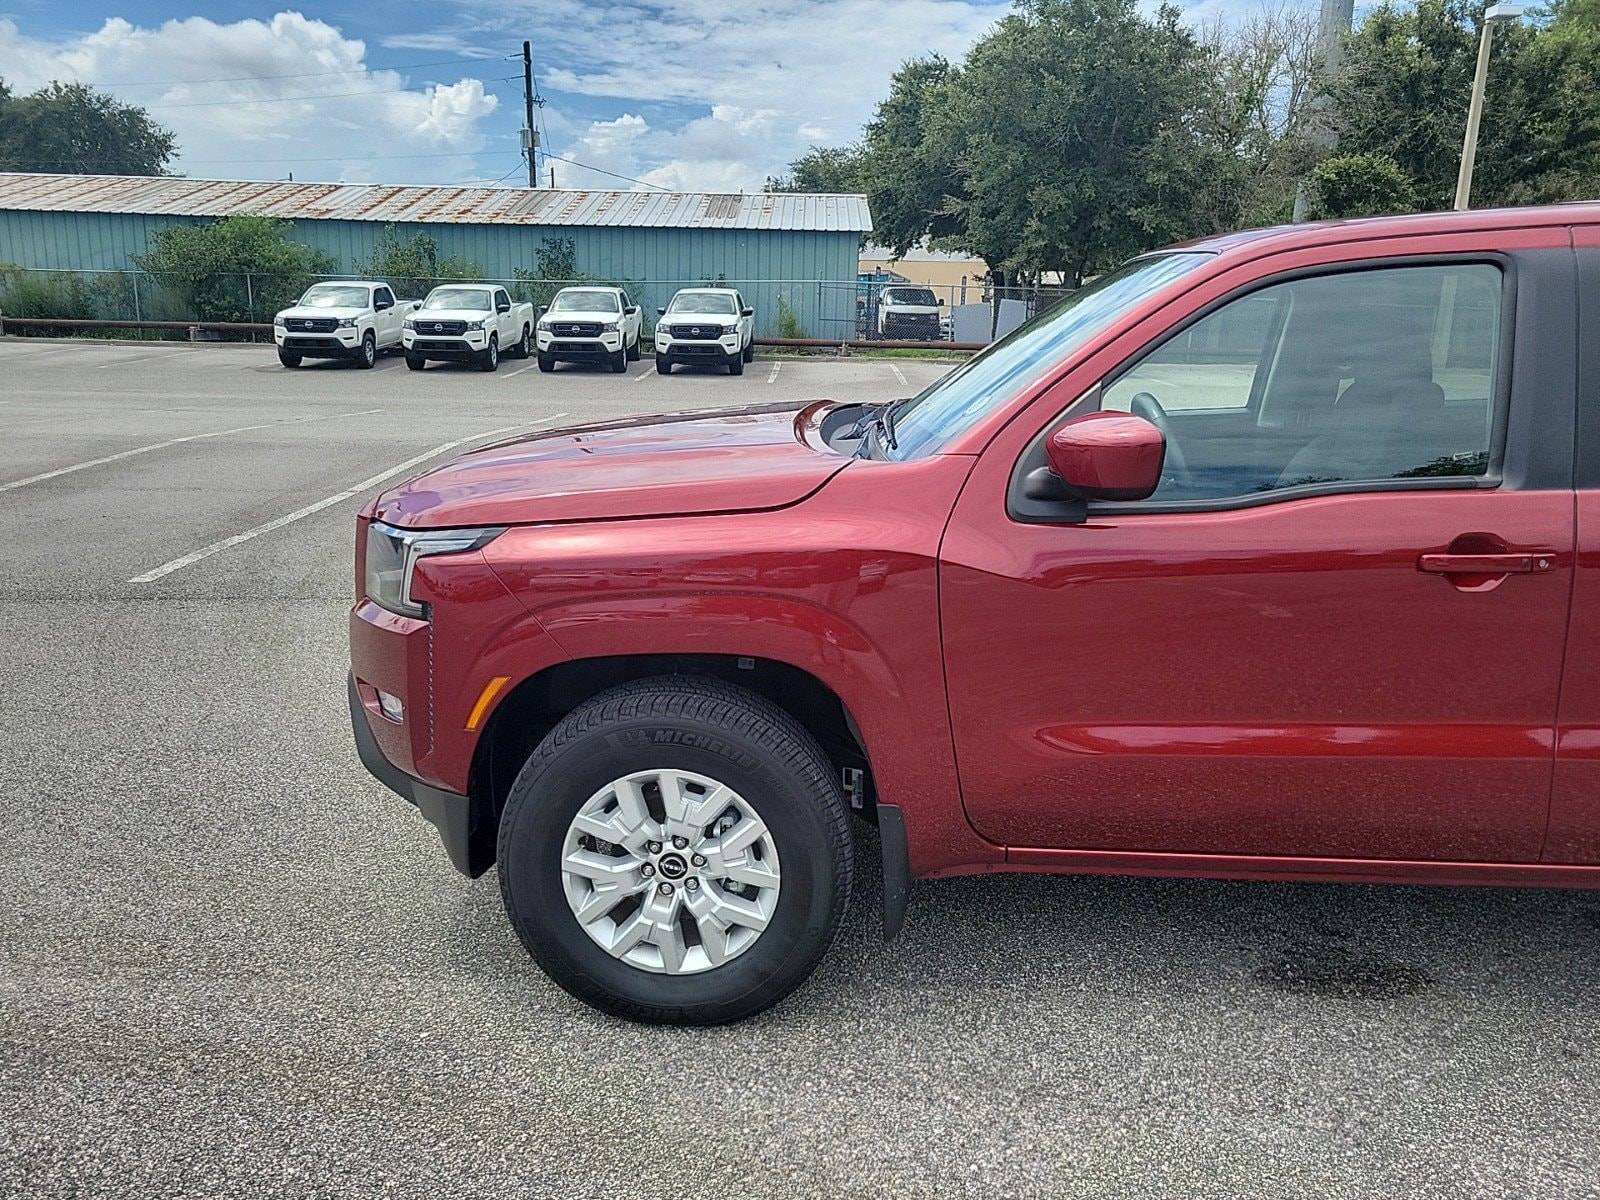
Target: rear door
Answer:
[[1337, 628]]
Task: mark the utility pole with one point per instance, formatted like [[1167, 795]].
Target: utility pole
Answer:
[[552, 177], [1494, 15], [530, 136], [1332, 25]]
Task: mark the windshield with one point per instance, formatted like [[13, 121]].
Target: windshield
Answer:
[[902, 295], [701, 302], [588, 300], [961, 399], [335, 295], [471, 299]]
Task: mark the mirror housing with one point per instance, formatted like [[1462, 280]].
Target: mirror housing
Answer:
[[747, 312], [382, 305], [661, 311], [940, 301], [1108, 456], [630, 310], [502, 307]]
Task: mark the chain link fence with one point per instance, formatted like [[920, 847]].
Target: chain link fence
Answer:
[[871, 309]]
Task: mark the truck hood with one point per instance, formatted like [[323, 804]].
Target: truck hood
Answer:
[[581, 315], [709, 461], [342, 314], [452, 314]]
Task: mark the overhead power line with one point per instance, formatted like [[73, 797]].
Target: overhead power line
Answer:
[[314, 96], [602, 171]]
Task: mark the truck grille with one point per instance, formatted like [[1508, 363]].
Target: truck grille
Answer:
[[450, 328], [912, 325], [702, 332], [311, 324], [576, 329]]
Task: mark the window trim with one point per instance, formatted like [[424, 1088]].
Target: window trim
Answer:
[[1072, 510]]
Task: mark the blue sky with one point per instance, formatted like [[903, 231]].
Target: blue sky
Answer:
[[695, 94]]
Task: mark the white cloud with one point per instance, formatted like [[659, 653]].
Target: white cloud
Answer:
[[771, 78], [326, 113]]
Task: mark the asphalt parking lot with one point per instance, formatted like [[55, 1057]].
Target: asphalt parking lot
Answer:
[[234, 964]]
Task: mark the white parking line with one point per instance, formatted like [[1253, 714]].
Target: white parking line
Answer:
[[645, 374], [188, 560], [193, 437], [772, 376], [123, 362], [899, 374], [518, 371]]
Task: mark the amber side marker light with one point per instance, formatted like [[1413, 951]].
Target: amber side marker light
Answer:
[[489, 693]]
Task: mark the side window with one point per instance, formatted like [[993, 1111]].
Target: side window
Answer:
[[500, 296], [626, 303], [1359, 376], [384, 295]]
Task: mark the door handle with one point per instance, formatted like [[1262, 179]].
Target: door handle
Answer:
[[1515, 563]]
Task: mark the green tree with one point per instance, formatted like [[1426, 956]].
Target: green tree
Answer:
[[413, 266], [68, 128], [1407, 77], [238, 268], [1071, 137], [1360, 185], [824, 169]]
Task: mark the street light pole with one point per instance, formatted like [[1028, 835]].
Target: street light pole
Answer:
[[1480, 78]]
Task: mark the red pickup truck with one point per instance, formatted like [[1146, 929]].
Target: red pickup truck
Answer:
[[1269, 556]]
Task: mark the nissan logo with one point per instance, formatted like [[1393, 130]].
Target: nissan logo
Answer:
[[673, 867], [438, 328], [695, 332]]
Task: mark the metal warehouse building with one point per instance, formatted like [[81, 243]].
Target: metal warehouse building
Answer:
[[800, 247]]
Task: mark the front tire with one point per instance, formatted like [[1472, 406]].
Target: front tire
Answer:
[[415, 362], [546, 363], [663, 365], [682, 779], [750, 352], [736, 365], [524, 346], [619, 361], [367, 356], [633, 350], [289, 360], [489, 360]]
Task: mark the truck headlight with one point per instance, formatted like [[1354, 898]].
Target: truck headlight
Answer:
[[546, 324], [408, 323], [474, 326], [279, 321], [392, 556], [610, 326], [347, 322]]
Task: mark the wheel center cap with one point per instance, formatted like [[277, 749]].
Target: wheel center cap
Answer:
[[673, 866]]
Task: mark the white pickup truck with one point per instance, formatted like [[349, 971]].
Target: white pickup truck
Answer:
[[590, 324], [467, 322], [353, 319]]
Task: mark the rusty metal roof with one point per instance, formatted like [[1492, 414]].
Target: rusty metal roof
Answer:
[[171, 196]]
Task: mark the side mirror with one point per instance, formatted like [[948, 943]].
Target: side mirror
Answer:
[[502, 307], [747, 312], [661, 312], [630, 310], [382, 305], [1108, 456], [940, 301]]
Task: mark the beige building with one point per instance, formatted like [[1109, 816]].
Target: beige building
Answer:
[[948, 273]]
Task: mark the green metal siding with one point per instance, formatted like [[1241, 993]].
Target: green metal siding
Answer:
[[814, 271]]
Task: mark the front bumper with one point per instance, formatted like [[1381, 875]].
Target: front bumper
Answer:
[[679, 349], [452, 814], [552, 346], [467, 346], [341, 343]]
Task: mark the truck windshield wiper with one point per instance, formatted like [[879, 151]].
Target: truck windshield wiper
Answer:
[[880, 421]]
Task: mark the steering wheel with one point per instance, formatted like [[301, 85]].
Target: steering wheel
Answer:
[[1174, 468]]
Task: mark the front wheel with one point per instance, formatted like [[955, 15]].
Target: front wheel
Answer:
[[663, 365], [619, 362], [524, 346], [750, 352], [546, 363], [367, 356], [489, 360], [415, 362], [633, 350], [677, 851], [736, 365]]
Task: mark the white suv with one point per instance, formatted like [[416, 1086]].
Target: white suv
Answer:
[[711, 326], [590, 324]]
